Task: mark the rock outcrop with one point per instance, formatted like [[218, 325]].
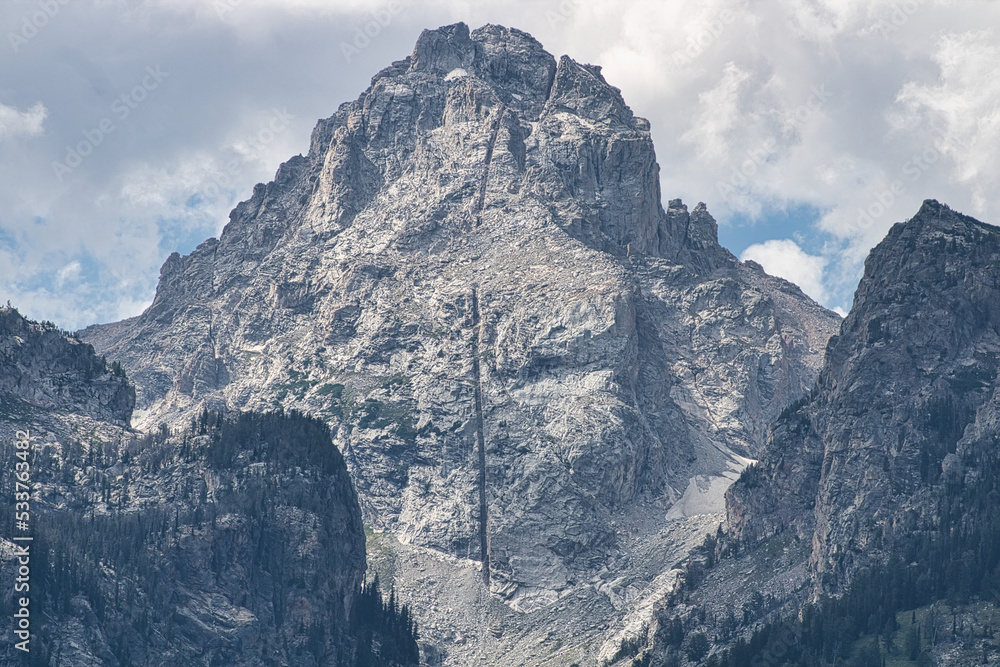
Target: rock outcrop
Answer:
[[901, 395], [236, 540], [879, 487], [471, 277], [47, 370]]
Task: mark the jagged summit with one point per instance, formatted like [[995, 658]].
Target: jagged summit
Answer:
[[522, 73], [512, 61], [512, 83], [934, 213], [904, 397], [933, 209]]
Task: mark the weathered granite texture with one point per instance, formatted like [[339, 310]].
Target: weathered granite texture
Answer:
[[471, 277]]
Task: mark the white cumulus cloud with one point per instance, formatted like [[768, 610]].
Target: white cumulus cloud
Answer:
[[963, 107], [14, 123], [69, 273], [785, 259]]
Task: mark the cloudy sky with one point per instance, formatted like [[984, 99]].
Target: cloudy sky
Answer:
[[129, 128]]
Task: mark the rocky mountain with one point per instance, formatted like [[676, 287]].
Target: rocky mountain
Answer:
[[879, 489], [43, 369], [906, 386], [523, 356], [236, 540]]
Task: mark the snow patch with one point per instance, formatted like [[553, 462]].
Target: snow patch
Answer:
[[706, 494]]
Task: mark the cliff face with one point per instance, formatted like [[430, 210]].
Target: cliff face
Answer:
[[522, 354], [905, 404], [875, 494], [40, 368], [471, 277], [234, 541]]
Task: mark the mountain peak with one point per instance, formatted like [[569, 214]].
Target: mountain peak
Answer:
[[511, 62], [521, 123], [443, 49], [911, 369], [931, 245], [931, 208], [471, 276], [933, 213]]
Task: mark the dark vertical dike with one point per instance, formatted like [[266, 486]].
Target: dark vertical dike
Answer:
[[484, 516], [481, 201]]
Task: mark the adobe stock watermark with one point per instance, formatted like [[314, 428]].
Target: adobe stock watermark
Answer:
[[121, 108], [778, 649], [562, 12], [223, 7], [22, 538], [900, 16], [882, 200], [756, 157], [275, 125], [706, 35], [31, 24], [365, 33]]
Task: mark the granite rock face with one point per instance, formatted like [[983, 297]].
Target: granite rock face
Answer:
[[471, 277], [905, 404], [228, 542], [49, 371], [878, 487]]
